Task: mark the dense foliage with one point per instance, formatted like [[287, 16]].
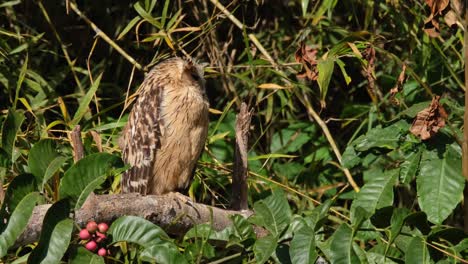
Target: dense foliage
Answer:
[[334, 171]]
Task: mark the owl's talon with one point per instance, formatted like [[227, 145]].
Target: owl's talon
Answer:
[[183, 198]]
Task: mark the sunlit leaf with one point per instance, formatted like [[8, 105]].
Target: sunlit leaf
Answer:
[[440, 182]]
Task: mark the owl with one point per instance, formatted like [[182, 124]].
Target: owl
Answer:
[[166, 130]]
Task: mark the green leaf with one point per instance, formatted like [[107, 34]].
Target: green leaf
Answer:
[[18, 188], [417, 252], [80, 255], [162, 252], [376, 193], [84, 104], [206, 231], [41, 158], [56, 234], [319, 215], [146, 15], [264, 247], [136, 230], [11, 126], [242, 228], [21, 77], [341, 64], [273, 213], [440, 182], [84, 176], [52, 168], [341, 247], [304, 5], [17, 221], [378, 137], [415, 109], [325, 71], [350, 158], [302, 248], [289, 170], [409, 166], [398, 219], [129, 26], [288, 140]]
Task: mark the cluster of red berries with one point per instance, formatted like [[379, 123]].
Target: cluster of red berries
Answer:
[[94, 234]]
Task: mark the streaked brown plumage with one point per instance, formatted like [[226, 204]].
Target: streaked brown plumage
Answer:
[[166, 129]]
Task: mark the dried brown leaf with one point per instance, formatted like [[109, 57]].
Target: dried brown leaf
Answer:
[[437, 6], [307, 56], [430, 120], [431, 27], [451, 18]]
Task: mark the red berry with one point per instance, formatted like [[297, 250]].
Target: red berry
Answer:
[[103, 227], [91, 246], [92, 226], [102, 252], [84, 234], [100, 237]]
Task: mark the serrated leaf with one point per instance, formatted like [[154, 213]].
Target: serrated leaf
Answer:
[[440, 183], [264, 248], [376, 193], [80, 179], [17, 221], [273, 213], [136, 230], [56, 234], [84, 104], [302, 249], [341, 247]]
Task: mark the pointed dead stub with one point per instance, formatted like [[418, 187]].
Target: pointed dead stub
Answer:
[[240, 170]]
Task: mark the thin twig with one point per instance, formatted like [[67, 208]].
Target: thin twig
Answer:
[[242, 27], [106, 38], [311, 112], [62, 46]]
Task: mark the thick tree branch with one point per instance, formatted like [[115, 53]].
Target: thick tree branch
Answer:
[[174, 212]]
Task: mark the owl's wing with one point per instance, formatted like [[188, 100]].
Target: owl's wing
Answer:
[[140, 141]]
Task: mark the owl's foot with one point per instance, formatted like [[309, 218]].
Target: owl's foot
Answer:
[[182, 198]]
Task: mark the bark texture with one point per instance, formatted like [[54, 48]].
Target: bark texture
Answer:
[[174, 212]]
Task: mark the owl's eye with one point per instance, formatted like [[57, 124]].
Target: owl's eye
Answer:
[[195, 76]]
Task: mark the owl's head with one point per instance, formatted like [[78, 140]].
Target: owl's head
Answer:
[[180, 71]]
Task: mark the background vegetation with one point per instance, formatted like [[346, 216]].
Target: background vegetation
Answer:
[[321, 78]]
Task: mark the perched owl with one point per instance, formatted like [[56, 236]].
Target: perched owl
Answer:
[[166, 129]]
